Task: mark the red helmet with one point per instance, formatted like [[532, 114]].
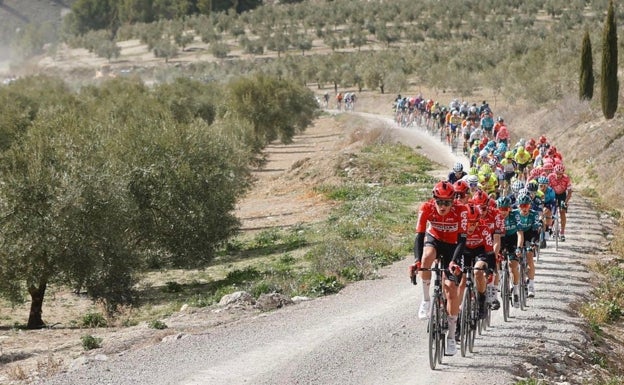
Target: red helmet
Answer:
[[532, 142], [443, 190], [480, 198], [542, 139], [473, 213], [559, 168], [461, 186]]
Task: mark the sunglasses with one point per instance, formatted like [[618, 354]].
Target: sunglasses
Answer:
[[525, 206], [474, 184], [443, 202]]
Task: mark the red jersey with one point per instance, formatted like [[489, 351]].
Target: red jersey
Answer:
[[480, 237], [445, 228], [560, 185], [494, 221]]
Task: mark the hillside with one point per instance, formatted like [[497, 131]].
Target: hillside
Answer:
[[17, 15]]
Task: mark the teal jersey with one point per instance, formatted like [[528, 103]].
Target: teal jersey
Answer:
[[511, 222], [528, 222]]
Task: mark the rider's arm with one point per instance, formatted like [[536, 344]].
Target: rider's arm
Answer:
[[459, 249], [419, 244]]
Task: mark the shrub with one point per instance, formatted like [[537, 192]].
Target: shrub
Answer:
[[157, 324], [93, 320], [90, 342]]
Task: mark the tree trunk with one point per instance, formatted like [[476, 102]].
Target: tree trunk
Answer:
[[35, 320]]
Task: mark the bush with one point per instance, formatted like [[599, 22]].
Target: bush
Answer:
[[157, 324], [89, 342], [93, 320]]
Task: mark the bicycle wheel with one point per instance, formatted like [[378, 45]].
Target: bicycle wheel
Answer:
[[464, 331], [434, 333], [523, 284], [474, 319], [505, 293], [556, 232]]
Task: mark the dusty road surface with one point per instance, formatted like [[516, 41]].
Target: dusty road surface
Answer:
[[369, 332]]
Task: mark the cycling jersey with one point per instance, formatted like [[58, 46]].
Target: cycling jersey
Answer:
[[494, 221], [511, 222], [445, 228], [528, 222], [522, 157], [481, 237], [560, 185]]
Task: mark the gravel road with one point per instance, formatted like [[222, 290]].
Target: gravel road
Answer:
[[369, 332]]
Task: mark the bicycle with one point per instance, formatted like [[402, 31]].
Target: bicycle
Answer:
[[506, 286], [469, 318], [438, 317], [524, 277]]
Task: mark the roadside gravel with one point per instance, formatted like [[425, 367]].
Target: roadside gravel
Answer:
[[369, 332]]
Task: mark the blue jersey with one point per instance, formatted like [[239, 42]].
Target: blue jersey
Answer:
[[537, 204], [549, 196]]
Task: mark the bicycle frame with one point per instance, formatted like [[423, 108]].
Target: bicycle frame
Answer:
[[438, 317]]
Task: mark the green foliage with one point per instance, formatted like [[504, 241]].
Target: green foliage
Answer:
[[320, 284], [90, 342], [277, 109], [609, 84], [586, 81], [93, 320], [157, 324]]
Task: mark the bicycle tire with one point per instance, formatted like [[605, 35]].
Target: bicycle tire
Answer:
[[556, 232], [505, 293], [434, 335], [465, 323], [523, 284], [474, 319]]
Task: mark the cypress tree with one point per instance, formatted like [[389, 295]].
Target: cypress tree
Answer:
[[586, 81], [609, 84]]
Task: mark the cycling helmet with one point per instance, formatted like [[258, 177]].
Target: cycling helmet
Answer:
[[509, 155], [503, 202], [461, 186], [473, 180], [542, 139], [473, 171], [524, 199], [459, 167], [532, 186], [492, 162], [443, 190], [542, 180], [517, 185], [483, 153], [480, 198], [559, 168], [473, 214], [532, 142], [523, 191], [485, 169], [500, 119], [522, 142], [491, 144]]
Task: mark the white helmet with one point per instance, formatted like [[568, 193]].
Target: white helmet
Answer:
[[459, 167]]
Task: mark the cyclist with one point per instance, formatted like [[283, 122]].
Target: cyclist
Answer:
[[440, 233], [457, 173], [509, 170], [509, 243], [523, 159], [487, 179], [479, 251], [561, 184], [495, 222], [528, 226], [487, 122], [462, 191], [550, 201]]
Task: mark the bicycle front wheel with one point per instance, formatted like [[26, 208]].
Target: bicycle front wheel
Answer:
[[505, 293], [434, 333], [464, 325]]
